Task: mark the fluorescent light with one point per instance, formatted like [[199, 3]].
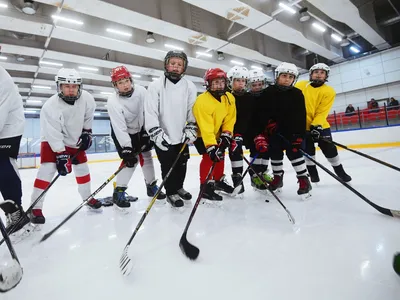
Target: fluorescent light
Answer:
[[97, 114], [119, 32], [155, 78], [288, 8], [50, 63], [173, 47], [203, 54], [354, 49], [106, 93], [3, 57], [88, 69], [34, 101], [59, 18], [31, 112], [319, 27], [3, 5], [237, 62], [336, 37], [41, 87], [136, 76], [256, 67]]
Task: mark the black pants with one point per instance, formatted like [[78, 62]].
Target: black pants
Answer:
[[328, 149], [236, 160], [178, 174], [10, 183], [138, 140]]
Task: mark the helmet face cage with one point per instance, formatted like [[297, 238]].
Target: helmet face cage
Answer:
[[119, 73], [238, 73], [212, 74], [68, 76], [256, 76], [178, 54], [320, 66], [286, 68]]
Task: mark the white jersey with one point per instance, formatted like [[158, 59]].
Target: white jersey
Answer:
[[169, 106], [62, 124], [127, 114], [12, 118]]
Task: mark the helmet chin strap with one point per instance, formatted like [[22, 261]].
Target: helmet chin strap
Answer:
[[126, 94]]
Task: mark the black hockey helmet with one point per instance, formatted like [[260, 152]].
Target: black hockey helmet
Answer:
[[179, 54]]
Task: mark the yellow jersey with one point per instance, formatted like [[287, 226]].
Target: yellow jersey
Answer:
[[319, 102], [213, 116]]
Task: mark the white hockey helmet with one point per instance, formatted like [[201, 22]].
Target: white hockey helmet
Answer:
[[320, 66], [286, 68], [237, 73], [255, 76], [68, 76]]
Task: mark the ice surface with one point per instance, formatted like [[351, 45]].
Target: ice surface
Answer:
[[340, 248]]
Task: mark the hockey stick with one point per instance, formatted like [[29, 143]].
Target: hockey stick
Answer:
[[191, 251], [383, 210], [12, 274], [37, 199], [125, 264], [291, 219], [363, 155]]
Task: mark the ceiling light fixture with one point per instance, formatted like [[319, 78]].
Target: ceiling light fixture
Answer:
[[3, 57], [150, 38], [336, 37], [34, 101], [29, 7], [256, 67], [345, 42], [319, 27], [136, 76], [88, 69], [3, 5], [173, 47], [287, 8], [354, 49], [220, 56], [237, 62], [106, 93], [41, 87], [50, 63], [154, 78], [304, 16], [119, 32], [59, 18], [203, 54]]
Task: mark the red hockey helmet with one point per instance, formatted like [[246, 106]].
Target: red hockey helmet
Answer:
[[212, 74], [120, 73]]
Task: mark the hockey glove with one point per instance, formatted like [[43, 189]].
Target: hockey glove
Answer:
[[271, 128], [261, 143], [129, 157], [160, 139], [225, 140], [296, 142], [216, 153], [85, 140], [190, 132], [237, 143], [145, 141], [63, 163], [316, 132]]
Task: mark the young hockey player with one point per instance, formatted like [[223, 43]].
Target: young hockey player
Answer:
[[12, 122], [66, 129], [257, 85], [215, 113], [281, 124], [319, 99], [169, 121], [126, 111], [237, 82]]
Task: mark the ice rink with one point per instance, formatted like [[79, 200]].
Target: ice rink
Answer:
[[340, 248]]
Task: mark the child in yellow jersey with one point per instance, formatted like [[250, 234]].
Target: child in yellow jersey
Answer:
[[215, 114], [319, 99]]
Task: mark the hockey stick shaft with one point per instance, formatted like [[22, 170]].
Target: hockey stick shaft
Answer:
[[383, 210], [8, 241], [291, 218], [363, 155], [156, 195]]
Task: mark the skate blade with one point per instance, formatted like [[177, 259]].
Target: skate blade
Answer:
[[22, 234], [121, 210], [212, 203], [94, 210], [306, 196]]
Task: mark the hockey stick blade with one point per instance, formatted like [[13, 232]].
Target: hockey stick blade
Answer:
[[125, 263], [10, 276], [191, 251]]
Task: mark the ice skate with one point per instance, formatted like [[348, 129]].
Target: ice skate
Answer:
[[305, 188]]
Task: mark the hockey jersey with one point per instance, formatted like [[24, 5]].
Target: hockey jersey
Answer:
[[62, 124], [285, 107], [214, 116], [319, 101], [169, 106], [245, 109], [12, 119], [127, 114]]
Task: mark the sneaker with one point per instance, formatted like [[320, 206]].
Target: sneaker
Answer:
[[185, 195], [209, 192], [175, 200], [237, 180], [312, 171], [341, 173], [277, 182], [119, 197], [223, 186], [152, 189], [36, 216], [304, 185], [94, 203]]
